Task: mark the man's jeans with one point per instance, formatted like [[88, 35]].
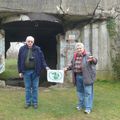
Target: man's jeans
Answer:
[[31, 81], [84, 93]]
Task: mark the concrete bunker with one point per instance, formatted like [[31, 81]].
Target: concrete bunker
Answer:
[[43, 28]]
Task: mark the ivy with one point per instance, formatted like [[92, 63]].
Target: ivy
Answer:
[[111, 26], [116, 67]]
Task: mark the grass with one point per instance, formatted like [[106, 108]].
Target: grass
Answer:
[[59, 104], [10, 69]]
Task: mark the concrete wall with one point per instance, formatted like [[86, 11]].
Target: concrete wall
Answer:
[[2, 51], [96, 40], [94, 36], [108, 4], [74, 7]]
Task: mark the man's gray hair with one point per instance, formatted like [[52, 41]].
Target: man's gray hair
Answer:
[[30, 38]]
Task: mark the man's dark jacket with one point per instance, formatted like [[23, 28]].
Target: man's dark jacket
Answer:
[[40, 62]]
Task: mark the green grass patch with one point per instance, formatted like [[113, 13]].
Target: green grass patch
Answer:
[[10, 69], [60, 103]]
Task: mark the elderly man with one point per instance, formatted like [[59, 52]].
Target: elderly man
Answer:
[[84, 72], [30, 62]]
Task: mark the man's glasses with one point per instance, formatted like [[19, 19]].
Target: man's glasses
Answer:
[[30, 41]]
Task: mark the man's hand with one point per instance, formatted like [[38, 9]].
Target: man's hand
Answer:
[[47, 68], [90, 59], [65, 69], [20, 75]]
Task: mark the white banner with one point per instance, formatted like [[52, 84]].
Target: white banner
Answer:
[[55, 76]]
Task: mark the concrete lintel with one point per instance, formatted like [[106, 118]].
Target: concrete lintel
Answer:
[[13, 18]]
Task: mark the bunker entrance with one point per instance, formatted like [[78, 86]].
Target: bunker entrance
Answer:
[[44, 33]]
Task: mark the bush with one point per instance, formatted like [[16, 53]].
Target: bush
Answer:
[[116, 67], [111, 26]]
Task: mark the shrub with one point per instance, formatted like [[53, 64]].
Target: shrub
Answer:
[[116, 66], [115, 55]]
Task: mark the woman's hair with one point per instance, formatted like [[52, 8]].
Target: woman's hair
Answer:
[[79, 44]]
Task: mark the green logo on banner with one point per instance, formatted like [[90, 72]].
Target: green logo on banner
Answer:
[[55, 75]]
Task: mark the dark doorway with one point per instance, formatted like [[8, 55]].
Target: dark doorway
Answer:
[[44, 33], [48, 45]]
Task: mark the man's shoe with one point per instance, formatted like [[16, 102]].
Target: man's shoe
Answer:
[[27, 106], [35, 106], [87, 111], [78, 108]]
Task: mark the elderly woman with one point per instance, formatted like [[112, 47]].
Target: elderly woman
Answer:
[[84, 73]]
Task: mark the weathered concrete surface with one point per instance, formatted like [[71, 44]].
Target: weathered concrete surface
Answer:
[[94, 36], [2, 51], [2, 84], [108, 4], [71, 7], [96, 40]]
